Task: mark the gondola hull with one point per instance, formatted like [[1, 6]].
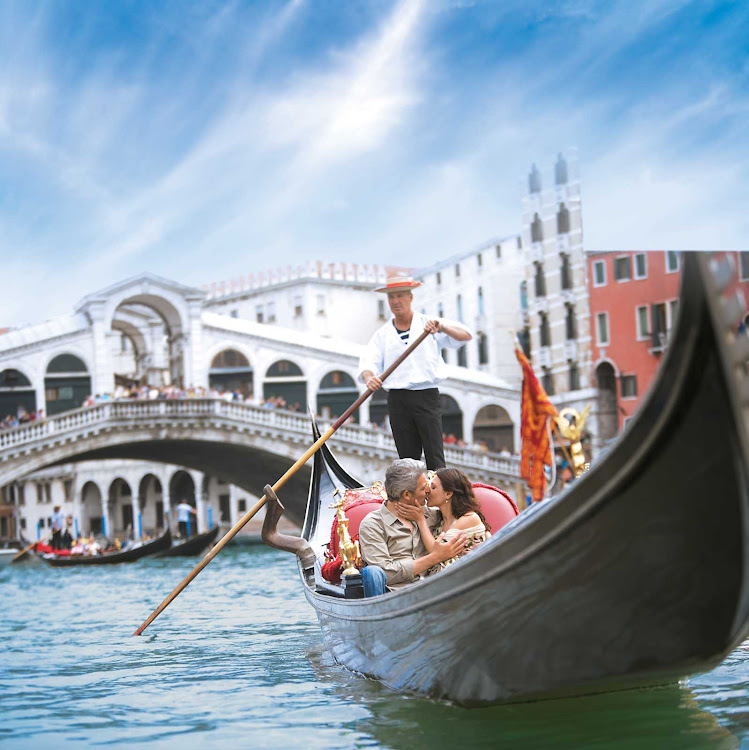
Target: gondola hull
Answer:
[[192, 546], [110, 558], [637, 575]]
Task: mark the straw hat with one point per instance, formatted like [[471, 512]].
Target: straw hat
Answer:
[[399, 283]]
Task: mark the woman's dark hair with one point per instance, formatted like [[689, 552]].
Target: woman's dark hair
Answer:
[[463, 500]]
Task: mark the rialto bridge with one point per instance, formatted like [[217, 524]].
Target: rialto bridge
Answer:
[[149, 330], [247, 446]]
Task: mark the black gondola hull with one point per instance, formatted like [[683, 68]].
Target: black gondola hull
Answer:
[[110, 558], [192, 546], [636, 575]]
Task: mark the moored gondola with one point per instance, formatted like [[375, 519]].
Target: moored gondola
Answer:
[[193, 545], [638, 574], [152, 547]]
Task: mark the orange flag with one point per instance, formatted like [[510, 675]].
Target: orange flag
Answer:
[[535, 409]]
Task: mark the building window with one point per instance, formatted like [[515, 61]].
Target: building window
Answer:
[[537, 230], [534, 180], [525, 341], [673, 308], [242, 506], [641, 266], [540, 280], [483, 349], [439, 278], [321, 304], [659, 322], [271, 312], [602, 329], [744, 265], [560, 171], [299, 306], [574, 377], [462, 357], [544, 332], [444, 355], [563, 220], [672, 261], [440, 311], [565, 271], [643, 323], [599, 273], [22, 494], [623, 268], [524, 296], [498, 251], [481, 301], [547, 380], [479, 260], [520, 243], [629, 386], [457, 270], [381, 309], [234, 313], [459, 302], [259, 313], [571, 323]]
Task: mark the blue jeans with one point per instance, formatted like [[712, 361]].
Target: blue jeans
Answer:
[[374, 581]]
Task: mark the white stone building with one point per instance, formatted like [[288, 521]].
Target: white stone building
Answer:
[[557, 333]]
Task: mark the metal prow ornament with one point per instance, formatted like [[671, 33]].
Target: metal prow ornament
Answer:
[[570, 423], [347, 548]]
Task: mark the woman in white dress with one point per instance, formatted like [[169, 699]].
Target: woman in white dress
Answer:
[[451, 493]]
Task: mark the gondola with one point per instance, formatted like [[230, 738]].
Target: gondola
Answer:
[[152, 547], [637, 575], [194, 545]]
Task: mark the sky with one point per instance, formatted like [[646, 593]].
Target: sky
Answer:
[[203, 140]]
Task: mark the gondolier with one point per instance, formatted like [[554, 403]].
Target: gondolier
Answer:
[[414, 403]]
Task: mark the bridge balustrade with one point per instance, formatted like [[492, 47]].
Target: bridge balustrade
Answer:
[[360, 436]]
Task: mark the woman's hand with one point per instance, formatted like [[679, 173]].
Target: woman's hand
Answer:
[[409, 512], [445, 549]]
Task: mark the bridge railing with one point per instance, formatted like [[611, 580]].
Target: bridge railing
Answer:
[[294, 422]]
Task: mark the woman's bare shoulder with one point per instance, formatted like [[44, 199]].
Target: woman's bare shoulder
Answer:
[[467, 520]]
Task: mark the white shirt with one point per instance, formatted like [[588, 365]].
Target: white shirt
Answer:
[[183, 512], [423, 368]]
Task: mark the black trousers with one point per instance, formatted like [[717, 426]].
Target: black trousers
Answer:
[[416, 421]]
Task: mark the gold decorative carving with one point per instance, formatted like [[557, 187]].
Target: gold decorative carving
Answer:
[[347, 549]]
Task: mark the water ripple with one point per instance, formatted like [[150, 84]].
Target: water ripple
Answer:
[[237, 661]]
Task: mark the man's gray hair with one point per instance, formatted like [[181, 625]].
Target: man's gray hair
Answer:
[[403, 475]]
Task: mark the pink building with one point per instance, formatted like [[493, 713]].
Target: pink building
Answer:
[[633, 309]]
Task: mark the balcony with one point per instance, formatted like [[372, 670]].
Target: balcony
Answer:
[[537, 252], [568, 296], [544, 356], [570, 350], [660, 342], [563, 243]]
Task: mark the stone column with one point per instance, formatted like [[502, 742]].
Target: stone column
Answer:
[[105, 514], [102, 379], [197, 478], [364, 413], [166, 502]]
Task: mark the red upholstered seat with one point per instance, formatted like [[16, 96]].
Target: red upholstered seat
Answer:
[[496, 505]]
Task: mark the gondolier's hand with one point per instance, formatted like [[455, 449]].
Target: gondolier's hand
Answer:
[[371, 380], [433, 326]]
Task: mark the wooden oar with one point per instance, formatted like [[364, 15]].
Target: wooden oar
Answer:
[[20, 554], [280, 483]]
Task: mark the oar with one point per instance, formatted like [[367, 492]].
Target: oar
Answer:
[[20, 554], [280, 483]]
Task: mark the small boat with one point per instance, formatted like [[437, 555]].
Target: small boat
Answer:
[[638, 574], [6, 556], [136, 552], [193, 545]]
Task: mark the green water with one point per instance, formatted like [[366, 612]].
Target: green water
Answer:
[[237, 661]]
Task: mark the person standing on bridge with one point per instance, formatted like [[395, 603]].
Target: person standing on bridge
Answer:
[[414, 403]]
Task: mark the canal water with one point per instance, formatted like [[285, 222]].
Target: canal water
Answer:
[[237, 661]]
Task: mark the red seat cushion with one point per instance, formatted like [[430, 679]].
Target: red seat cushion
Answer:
[[496, 505]]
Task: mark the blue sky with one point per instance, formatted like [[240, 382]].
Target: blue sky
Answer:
[[204, 140]]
